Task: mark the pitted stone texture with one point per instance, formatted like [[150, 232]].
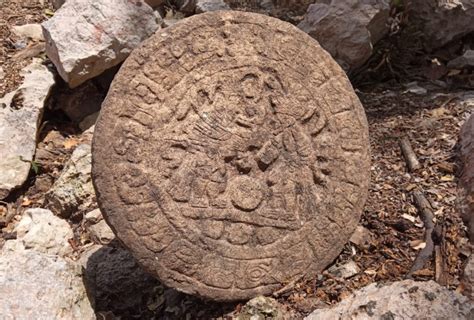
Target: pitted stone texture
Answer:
[[229, 157]]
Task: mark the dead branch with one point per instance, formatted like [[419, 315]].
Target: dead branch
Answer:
[[409, 154], [287, 287], [426, 215]]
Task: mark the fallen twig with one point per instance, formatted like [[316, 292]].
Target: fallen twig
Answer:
[[409, 154], [426, 214], [287, 287]]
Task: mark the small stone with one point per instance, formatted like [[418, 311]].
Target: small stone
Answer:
[[348, 30], [20, 118], [345, 271], [86, 37], [31, 31], [35, 285], [467, 281], [464, 61], [93, 216], [210, 5], [399, 301], [361, 237], [41, 230], [101, 233], [73, 190], [262, 308], [89, 121]]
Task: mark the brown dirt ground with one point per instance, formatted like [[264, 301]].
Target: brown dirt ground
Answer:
[[431, 123]]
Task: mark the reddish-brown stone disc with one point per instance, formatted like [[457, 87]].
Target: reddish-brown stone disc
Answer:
[[231, 155]]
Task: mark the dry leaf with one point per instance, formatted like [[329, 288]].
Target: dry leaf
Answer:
[[408, 217], [447, 178], [26, 202], [70, 143]]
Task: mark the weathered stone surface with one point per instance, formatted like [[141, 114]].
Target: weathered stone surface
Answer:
[[20, 116], [34, 285], [80, 102], [467, 280], [231, 159], [262, 308], [210, 5], [86, 37], [406, 299], [347, 29], [101, 233], [73, 190], [42, 231], [30, 31], [152, 3], [346, 270], [441, 21], [466, 181], [114, 279], [464, 61]]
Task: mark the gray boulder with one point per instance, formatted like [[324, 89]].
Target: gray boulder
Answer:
[[86, 37], [20, 117], [347, 29], [406, 299], [464, 61], [441, 21], [35, 285]]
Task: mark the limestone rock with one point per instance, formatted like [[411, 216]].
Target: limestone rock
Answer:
[[464, 61], [441, 21], [115, 280], [347, 29], [34, 285], [345, 271], [86, 37], [101, 233], [466, 181], [31, 31], [20, 116], [361, 237], [210, 5], [263, 308], [42, 231], [73, 190], [152, 3], [231, 162], [406, 299]]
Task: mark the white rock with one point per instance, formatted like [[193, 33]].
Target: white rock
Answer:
[[86, 37], [347, 29], [261, 308], [152, 3], [34, 285], [73, 190], [346, 270], [42, 231], [210, 5], [441, 21], [20, 116], [31, 31], [406, 299], [464, 61]]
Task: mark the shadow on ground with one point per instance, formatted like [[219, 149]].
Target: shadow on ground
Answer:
[[119, 288]]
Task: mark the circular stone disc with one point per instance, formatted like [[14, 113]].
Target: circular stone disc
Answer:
[[231, 155]]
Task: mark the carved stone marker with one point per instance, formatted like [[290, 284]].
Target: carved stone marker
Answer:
[[231, 155]]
